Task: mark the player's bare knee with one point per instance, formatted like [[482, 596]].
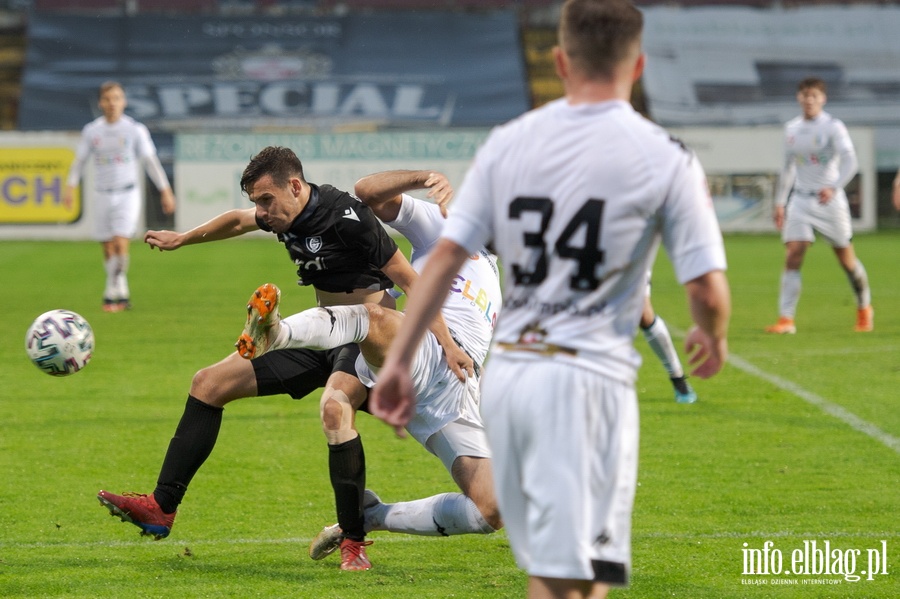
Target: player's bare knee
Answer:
[[203, 384], [375, 311], [331, 413], [377, 316], [383, 325], [208, 386], [336, 412], [487, 505]]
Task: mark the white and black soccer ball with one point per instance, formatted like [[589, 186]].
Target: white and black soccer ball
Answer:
[[60, 342]]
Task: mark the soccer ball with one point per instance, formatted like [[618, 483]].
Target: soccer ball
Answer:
[[60, 342]]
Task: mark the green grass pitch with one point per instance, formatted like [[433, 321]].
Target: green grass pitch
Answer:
[[796, 441]]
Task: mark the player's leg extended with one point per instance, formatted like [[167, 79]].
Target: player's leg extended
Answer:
[[369, 325], [194, 439], [859, 281], [474, 511], [442, 515]]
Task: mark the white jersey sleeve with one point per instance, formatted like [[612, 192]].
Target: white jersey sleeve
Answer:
[[420, 222], [146, 150], [848, 164], [81, 155], [691, 234], [473, 304], [787, 178]]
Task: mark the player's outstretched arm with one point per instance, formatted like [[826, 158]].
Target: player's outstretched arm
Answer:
[[709, 298], [226, 225], [381, 191], [393, 398]]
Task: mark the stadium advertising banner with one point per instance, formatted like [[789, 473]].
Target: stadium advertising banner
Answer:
[[740, 66], [31, 185], [223, 73], [743, 165], [208, 167], [33, 170]]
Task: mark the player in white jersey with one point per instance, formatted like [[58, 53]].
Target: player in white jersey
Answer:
[[117, 145], [819, 162], [575, 197], [448, 421]]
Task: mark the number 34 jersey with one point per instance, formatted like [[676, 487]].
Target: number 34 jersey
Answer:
[[575, 200]]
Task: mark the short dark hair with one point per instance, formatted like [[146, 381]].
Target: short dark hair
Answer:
[[598, 34], [279, 163], [813, 83]]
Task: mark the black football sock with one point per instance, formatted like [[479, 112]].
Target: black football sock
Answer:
[[194, 440], [347, 467]]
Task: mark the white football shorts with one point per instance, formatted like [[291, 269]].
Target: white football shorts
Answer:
[[565, 445], [804, 216], [459, 438], [116, 213], [448, 419]]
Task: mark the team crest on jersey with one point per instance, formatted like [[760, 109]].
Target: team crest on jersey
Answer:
[[314, 244]]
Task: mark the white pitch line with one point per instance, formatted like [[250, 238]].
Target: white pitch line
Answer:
[[848, 418], [839, 351], [173, 543]]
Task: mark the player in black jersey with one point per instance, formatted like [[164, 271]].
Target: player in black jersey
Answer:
[[345, 254]]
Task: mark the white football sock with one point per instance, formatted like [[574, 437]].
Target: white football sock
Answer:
[[657, 335], [112, 265], [790, 293], [323, 328], [859, 280], [440, 515], [122, 278]]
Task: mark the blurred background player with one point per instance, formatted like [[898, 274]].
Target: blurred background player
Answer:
[[558, 396], [820, 161], [660, 340], [118, 145]]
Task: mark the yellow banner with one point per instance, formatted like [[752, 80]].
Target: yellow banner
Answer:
[[32, 183]]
